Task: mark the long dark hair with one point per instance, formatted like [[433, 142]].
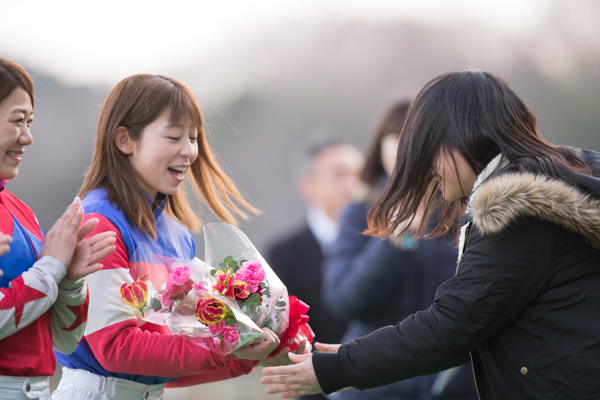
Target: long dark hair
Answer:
[[476, 114], [391, 122]]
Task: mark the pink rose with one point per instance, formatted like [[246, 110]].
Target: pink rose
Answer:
[[256, 270], [246, 276], [180, 275], [231, 335]]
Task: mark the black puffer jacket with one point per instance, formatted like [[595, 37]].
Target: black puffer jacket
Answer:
[[525, 302]]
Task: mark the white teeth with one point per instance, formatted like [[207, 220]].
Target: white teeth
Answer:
[[13, 154], [180, 169]]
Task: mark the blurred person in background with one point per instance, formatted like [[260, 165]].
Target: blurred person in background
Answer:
[[372, 282], [43, 294], [327, 173], [150, 139]]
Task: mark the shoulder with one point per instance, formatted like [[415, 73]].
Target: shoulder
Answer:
[[504, 199], [21, 211]]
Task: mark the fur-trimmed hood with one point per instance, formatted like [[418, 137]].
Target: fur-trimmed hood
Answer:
[[501, 199]]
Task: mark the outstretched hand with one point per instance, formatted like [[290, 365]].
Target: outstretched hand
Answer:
[[282, 356], [298, 379], [292, 380]]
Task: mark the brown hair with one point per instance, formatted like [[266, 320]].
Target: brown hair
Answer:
[[13, 76], [478, 115], [391, 122], [134, 103]]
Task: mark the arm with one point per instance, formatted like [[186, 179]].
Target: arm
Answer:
[[69, 314], [120, 345], [498, 277], [30, 295], [363, 271]]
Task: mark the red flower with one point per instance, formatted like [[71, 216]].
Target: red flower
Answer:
[[229, 286], [210, 311], [135, 294]]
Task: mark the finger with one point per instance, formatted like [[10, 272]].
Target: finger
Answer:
[[101, 238], [1, 272], [327, 348], [4, 248], [301, 347], [287, 390], [71, 210], [101, 254], [298, 358], [5, 239], [94, 268], [283, 370], [86, 228], [77, 218]]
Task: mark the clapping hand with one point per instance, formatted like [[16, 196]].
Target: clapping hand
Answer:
[[65, 242]]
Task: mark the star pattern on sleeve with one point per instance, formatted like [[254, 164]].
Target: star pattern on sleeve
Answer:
[[81, 313], [17, 296]]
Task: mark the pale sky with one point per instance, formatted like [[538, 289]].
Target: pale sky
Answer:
[[89, 42]]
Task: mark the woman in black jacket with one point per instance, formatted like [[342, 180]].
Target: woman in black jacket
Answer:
[[525, 300], [369, 282]]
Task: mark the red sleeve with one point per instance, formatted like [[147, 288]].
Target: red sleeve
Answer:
[[122, 344]]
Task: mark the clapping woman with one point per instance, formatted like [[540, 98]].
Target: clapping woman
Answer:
[[43, 296]]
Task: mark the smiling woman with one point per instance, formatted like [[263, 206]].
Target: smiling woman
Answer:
[[150, 137], [43, 302]]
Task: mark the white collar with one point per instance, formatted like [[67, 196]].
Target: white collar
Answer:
[[322, 227], [496, 164]]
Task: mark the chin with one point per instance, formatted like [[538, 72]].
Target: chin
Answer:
[[9, 175]]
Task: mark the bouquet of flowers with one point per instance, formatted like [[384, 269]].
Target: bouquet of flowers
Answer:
[[243, 275], [226, 300], [173, 293]]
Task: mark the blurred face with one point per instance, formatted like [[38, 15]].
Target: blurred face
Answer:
[[389, 150], [16, 116], [163, 154], [456, 181], [333, 178]]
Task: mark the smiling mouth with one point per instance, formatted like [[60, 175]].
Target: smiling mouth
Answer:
[[178, 171], [14, 154]]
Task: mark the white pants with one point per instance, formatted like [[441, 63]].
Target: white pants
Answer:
[[83, 385], [19, 387]]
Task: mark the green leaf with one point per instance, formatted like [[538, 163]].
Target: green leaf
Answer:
[[213, 272], [280, 303], [155, 304], [228, 259]]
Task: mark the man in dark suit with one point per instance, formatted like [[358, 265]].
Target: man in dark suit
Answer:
[[326, 177]]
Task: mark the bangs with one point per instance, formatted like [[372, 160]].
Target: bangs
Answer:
[[183, 107]]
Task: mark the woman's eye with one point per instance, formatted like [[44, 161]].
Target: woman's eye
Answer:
[[194, 139]]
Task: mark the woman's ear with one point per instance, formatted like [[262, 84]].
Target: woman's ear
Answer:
[[123, 140]]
